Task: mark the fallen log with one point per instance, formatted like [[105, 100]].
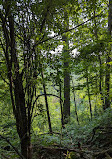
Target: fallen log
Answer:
[[103, 153]]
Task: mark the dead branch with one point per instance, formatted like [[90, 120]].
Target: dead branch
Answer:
[[102, 129], [4, 156], [14, 148], [103, 153]]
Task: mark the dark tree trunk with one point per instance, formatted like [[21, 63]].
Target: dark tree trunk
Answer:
[[59, 82], [21, 118], [66, 108], [46, 102], [101, 70], [66, 58], [73, 90], [60, 92], [107, 84], [88, 91], [108, 59], [100, 83], [16, 86], [26, 148]]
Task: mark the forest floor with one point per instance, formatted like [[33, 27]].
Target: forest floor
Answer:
[[98, 145]]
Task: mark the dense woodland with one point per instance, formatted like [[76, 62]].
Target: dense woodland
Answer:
[[56, 79]]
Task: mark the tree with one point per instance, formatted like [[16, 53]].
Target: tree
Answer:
[[25, 31], [73, 90], [108, 59], [46, 101], [15, 77], [19, 33], [66, 72], [24, 27]]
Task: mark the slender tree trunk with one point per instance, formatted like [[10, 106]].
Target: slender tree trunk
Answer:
[[89, 97], [108, 59], [60, 94], [66, 108], [107, 84], [100, 82], [73, 90], [46, 101], [66, 58]]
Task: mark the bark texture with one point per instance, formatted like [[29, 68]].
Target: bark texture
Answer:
[[16, 82], [66, 58], [108, 59]]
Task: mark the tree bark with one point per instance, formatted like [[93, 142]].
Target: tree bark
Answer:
[[66, 58], [100, 83], [75, 104], [89, 97], [46, 101], [16, 84], [108, 59], [60, 92], [99, 57]]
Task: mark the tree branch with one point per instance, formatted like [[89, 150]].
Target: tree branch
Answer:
[[40, 96], [4, 79], [14, 148], [68, 30]]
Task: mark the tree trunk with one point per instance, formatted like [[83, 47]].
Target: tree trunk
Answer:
[[26, 148], [66, 108], [89, 97], [107, 84], [46, 101], [16, 85], [100, 82], [75, 103], [60, 92], [21, 118], [66, 58], [108, 59]]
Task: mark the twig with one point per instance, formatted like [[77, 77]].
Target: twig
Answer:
[[14, 148], [48, 134], [4, 79], [68, 30], [67, 149], [5, 156], [101, 153], [108, 156], [40, 96]]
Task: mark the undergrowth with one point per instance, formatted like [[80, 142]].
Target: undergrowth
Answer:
[[74, 133]]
